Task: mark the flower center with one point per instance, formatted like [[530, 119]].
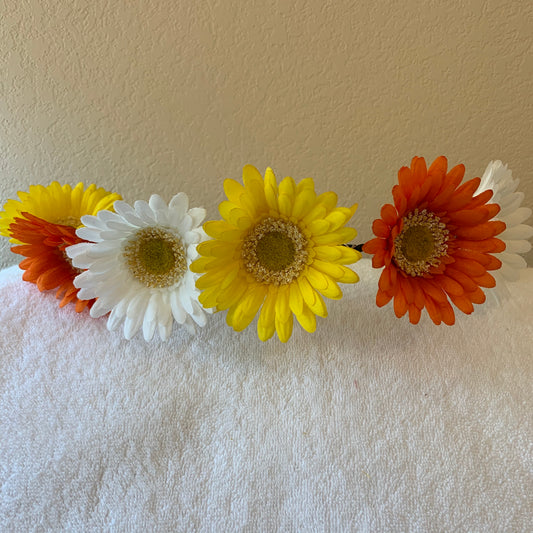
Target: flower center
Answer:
[[421, 243], [73, 222], [156, 257], [274, 251]]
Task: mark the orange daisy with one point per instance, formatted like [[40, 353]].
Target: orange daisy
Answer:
[[436, 242], [46, 263]]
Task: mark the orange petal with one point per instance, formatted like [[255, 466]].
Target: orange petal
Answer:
[[380, 229], [382, 298], [433, 310], [389, 214], [463, 303], [491, 245], [414, 314], [469, 267], [477, 296], [447, 314], [373, 245]]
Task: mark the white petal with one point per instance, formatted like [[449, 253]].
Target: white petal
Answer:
[[197, 214], [150, 317], [179, 313], [509, 273], [522, 231], [117, 314], [144, 212], [517, 217], [137, 304], [104, 264], [128, 214], [185, 224], [86, 293], [131, 326], [510, 203], [517, 247], [92, 222], [192, 237], [198, 314], [78, 249], [512, 260], [179, 204], [101, 307], [160, 209], [89, 234], [189, 326]]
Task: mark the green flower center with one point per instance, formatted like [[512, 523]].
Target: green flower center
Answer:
[[275, 251], [156, 257], [421, 243]]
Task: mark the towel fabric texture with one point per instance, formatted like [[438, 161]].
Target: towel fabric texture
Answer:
[[369, 424]]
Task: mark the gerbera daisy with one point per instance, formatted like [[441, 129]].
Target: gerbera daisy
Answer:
[[137, 265], [56, 204], [436, 243], [499, 179], [46, 263], [278, 250]]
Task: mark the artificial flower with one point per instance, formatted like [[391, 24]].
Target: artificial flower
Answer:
[[137, 265], [277, 251], [498, 178], [58, 204], [46, 263], [437, 242]]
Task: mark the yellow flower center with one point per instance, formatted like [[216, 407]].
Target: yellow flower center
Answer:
[[421, 243], [156, 257], [274, 251], [73, 222]]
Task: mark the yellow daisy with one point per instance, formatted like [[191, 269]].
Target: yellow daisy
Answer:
[[56, 204], [278, 250]]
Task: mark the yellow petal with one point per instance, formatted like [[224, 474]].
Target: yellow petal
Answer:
[[266, 322], [320, 226], [305, 199], [255, 188], [214, 248], [235, 215], [339, 273], [328, 253], [306, 183], [220, 229], [318, 211], [284, 328], [230, 296], [340, 236], [246, 309], [271, 190], [208, 297], [213, 277], [296, 301], [307, 319], [313, 300], [200, 265], [338, 217], [328, 200], [323, 284], [234, 191]]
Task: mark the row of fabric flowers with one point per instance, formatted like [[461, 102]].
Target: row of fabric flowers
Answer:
[[278, 250]]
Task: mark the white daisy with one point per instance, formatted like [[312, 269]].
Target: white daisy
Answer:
[[137, 265], [499, 179]]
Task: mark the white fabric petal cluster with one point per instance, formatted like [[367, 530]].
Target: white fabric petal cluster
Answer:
[[108, 275], [500, 179]]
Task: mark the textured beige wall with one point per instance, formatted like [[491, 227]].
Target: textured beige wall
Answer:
[[165, 95]]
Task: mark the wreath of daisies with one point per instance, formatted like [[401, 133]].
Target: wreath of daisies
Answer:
[[278, 253]]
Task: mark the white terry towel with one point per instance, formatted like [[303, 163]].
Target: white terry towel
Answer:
[[370, 424]]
